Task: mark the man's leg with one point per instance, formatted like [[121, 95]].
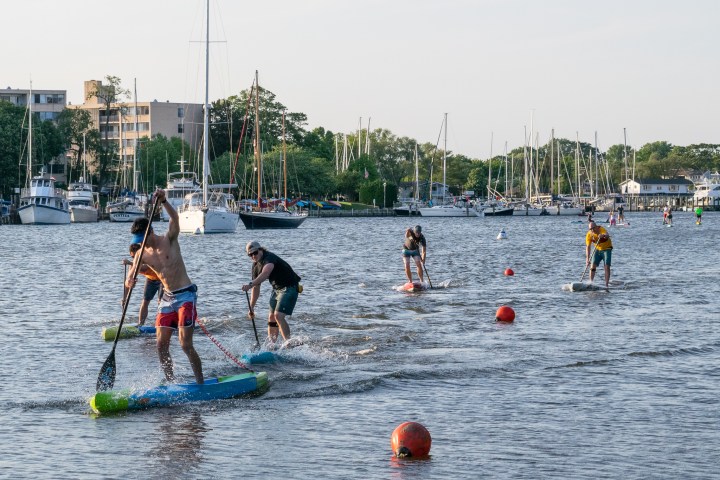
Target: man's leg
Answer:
[[408, 272], [272, 327], [185, 335], [163, 336], [282, 325], [143, 312], [418, 264], [607, 275]]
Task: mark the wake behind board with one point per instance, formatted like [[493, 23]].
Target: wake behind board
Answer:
[[260, 357], [413, 287], [178, 393], [586, 287]]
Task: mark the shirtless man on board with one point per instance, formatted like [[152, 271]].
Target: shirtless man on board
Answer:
[[177, 307]]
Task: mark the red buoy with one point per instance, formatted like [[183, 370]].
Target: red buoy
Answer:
[[410, 439], [505, 314], [509, 272]]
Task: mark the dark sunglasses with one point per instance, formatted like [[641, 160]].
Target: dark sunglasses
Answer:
[[252, 254]]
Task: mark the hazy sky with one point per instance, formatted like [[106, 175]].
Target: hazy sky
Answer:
[[651, 67]]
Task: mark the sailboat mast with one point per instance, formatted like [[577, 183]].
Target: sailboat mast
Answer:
[[417, 180], [490, 165], [625, 156], [257, 140], [85, 177], [445, 161], [135, 146], [206, 114], [29, 167], [284, 163]]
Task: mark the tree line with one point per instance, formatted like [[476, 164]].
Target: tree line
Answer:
[[312, 165]]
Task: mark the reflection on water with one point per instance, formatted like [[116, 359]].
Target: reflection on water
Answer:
[[180, 441]]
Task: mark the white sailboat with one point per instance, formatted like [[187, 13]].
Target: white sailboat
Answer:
[[204, 212], [40, 202], [458, 208], [82, 200], [411, 207]]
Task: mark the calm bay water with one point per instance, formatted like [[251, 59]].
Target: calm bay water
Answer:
[[605, 384]]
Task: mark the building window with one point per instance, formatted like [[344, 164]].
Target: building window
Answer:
[[181, 128], [181, 112]]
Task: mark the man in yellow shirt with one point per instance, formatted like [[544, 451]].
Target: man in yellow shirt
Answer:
[[598, 236]]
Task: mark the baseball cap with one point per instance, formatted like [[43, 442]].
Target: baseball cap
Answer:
[[252, 246]]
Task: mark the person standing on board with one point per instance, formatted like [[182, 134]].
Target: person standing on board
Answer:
[[414, 242], [669, 216], [603, 251], [611, 219], [177, 308], [153, 285], [621, 214], [698, 215], [665, 214], [285, 284]]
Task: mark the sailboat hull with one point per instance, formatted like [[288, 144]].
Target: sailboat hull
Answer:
[[448, 211], [210, 221], [270, 220]]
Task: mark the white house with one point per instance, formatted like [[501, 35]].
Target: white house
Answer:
[[657, 186]]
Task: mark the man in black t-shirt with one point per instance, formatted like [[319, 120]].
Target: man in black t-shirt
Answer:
[[284, 281]]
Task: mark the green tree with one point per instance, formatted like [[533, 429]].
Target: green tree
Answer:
[[234, 117], [109, 95], [12, 140], [75, 127]]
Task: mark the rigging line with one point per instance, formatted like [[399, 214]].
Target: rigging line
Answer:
[[242, 132]]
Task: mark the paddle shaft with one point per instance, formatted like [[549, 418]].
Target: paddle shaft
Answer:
[[106, 378], [590, 260], [428, 275], [252, 317]]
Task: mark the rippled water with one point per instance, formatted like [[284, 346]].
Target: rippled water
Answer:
[[603, 384]]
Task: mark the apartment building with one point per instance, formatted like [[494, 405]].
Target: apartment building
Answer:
[[170, 119], [47, 104]]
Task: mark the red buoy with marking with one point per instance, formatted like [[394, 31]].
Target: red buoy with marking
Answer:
[[509, 272], [410, 439], [505, 314]]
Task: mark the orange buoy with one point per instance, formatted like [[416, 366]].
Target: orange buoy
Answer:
[[509, 272], [505, 314], [410, 439]]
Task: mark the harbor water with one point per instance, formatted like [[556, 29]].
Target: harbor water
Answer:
[[619, 383]]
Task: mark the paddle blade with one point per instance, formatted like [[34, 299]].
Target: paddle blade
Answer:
[[106, 378]]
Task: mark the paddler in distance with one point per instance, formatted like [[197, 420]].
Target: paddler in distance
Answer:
[[414, 241], [177, 308], [597, 235]]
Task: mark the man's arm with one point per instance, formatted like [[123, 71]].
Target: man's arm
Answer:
[[174, 225]]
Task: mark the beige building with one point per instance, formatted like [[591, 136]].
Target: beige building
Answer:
[[47, 104], [169, 119]]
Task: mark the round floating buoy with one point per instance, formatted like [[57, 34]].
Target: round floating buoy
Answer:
[[509, 272], [410, 439], [505, 314], [502, 235]]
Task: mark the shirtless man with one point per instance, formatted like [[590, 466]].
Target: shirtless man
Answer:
[[177, 307]]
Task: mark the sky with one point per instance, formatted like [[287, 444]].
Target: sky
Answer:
[[498, 68]]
